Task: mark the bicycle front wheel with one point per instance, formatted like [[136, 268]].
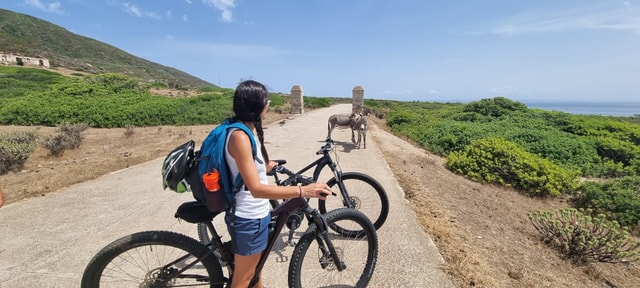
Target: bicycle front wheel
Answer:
[[312, 266], [154, 259], [363, 192]]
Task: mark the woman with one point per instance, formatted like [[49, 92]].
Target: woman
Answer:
[[248, 225]]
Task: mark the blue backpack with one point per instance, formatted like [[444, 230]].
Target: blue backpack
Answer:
[[210, 157]]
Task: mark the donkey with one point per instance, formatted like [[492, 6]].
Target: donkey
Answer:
[[344, 120], [362, 125]]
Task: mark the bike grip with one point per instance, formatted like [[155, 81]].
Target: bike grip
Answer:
[[332, 193]]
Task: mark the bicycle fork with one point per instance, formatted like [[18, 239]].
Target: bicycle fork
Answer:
[[337, 174], [329, 253]]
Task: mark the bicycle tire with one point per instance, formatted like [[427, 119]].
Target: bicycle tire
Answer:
[[203, 234], [306, 269], [365, 192], [141, 254]]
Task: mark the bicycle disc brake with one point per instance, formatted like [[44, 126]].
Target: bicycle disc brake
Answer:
[[325, 259], [156, 277]]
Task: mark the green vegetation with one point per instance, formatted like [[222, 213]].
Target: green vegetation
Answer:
[[15, 148], [584, 238], [496, 160], [538, 152], [595, 146], [36, 97], [29, 36], [619, 199]]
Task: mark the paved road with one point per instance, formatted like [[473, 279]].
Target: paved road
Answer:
[[47, 241]]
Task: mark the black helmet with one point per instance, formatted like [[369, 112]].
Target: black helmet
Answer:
[[176, 165]]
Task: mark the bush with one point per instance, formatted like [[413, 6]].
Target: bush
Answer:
[[129, 131], [619, 200], [583, 238], [495, 107], [496, 160], [15, 149], [68, 136]]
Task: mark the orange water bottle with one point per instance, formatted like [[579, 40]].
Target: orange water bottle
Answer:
[[210, 180]]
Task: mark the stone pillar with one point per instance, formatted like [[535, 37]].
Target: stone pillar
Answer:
[[297, 100], [358, 99]]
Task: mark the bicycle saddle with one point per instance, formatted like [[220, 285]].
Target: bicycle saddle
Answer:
[[195, 212]]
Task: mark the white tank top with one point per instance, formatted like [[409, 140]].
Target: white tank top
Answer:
[[247, 206]]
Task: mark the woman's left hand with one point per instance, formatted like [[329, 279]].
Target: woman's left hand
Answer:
[[271, 165]]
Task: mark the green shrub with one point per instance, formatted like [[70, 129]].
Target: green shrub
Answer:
[[499, 161], [583, 238], [617, 150], [495, 107], [15, 149], [313, 102], [618, 199]]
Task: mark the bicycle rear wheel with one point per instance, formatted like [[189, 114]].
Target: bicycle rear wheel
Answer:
[[153, 259], [365, 193], [310, 266]]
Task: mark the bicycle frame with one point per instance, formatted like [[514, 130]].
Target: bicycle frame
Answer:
[[319, 164], [279, 216]]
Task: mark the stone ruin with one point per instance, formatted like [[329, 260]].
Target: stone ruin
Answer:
[[297, 100], [11, 59], [358, 99]]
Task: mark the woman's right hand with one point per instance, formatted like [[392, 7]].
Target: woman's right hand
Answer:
[[316, 190]]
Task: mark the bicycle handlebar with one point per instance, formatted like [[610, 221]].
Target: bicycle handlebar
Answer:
[[327, 146]]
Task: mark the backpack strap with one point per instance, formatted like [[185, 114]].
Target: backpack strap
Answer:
[[238, 182]]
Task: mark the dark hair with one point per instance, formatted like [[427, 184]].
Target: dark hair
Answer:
[[249, 100]]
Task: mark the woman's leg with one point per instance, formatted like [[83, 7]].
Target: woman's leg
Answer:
[[245, 267], [249, 241]]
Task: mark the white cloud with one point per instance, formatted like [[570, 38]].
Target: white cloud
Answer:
[[433, 91], [225, 7], [579, 18], [136, 11], [54, 7], [185, 18]]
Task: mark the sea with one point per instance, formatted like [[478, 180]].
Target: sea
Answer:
[[626, 109]]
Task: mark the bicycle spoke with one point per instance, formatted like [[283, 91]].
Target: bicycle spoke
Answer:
[[153, 259], [313, 266]]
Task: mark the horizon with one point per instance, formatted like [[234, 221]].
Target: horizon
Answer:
[[578, 51]]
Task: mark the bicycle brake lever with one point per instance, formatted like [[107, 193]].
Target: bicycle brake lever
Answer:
[[332, 193]]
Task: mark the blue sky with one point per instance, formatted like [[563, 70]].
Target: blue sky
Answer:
[[450, 51]]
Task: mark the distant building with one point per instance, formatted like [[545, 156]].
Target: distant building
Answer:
[[10, 59]]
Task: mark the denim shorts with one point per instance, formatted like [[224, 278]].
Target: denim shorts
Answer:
[[249, 236]]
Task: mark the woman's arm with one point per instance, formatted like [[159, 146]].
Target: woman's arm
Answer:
[[240, 149]]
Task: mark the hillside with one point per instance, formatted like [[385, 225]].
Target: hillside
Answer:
[[28, 36]]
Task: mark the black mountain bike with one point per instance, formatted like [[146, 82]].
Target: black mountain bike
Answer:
[[321, 258], [357, 190]]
